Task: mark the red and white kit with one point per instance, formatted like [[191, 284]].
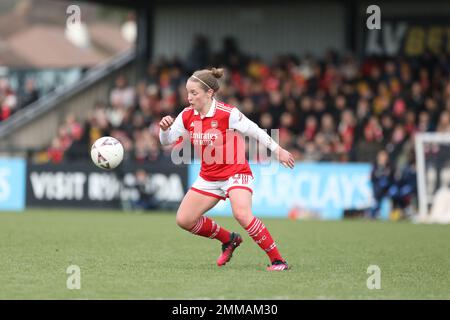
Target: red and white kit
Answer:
[[222, 150]]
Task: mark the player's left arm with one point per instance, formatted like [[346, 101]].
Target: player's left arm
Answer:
[[244, 125]]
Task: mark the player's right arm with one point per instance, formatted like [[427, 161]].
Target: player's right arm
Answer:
[[170, 129]]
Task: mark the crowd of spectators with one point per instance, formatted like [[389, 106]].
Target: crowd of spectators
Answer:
[[335, 108]]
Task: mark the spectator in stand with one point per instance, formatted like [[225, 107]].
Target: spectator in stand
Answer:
[[395, 146], [424, 123], [30, 93], [8, 99], [328, 129], [371, 143], [122, 94], [444, 122], [55, 152], [432, 108], [346, 129], [410, 123], [79, 146]]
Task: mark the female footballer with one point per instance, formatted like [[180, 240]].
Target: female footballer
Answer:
[[209, 122]]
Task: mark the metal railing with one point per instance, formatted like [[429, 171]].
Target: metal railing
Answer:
[[53, 99]]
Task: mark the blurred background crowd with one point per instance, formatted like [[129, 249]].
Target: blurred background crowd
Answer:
[[330, 109]]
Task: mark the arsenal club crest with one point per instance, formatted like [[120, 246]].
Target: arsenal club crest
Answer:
[[214, 124]]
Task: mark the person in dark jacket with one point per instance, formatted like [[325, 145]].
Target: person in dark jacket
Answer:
[[404, 188], [382, 177], [147, 191]]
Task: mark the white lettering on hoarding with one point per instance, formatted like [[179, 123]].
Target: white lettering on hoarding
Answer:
[[314, 190], [58, 185]]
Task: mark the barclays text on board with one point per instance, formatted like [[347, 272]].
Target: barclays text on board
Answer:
[[325, 189]]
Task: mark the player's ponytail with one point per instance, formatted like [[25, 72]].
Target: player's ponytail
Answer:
[[217, 73]]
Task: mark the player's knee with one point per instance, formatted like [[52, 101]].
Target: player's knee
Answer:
[[242, 214], [183, 222]]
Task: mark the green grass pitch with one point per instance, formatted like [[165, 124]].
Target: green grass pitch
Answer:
[[146, 256]]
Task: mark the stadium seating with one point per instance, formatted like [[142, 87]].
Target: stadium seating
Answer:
[[334, 109]]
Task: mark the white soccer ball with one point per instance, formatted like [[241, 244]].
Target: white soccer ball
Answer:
[[107, 153]]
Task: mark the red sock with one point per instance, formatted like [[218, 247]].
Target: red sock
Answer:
[[263, 239], [208, 228]]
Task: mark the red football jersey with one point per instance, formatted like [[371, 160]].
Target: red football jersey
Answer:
[[214, 137]]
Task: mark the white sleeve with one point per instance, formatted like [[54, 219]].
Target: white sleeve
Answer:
[[244, 125], [175, 131]]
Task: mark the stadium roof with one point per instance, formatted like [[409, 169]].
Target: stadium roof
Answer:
[[32, 37], [9, 58], [33, 49]]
